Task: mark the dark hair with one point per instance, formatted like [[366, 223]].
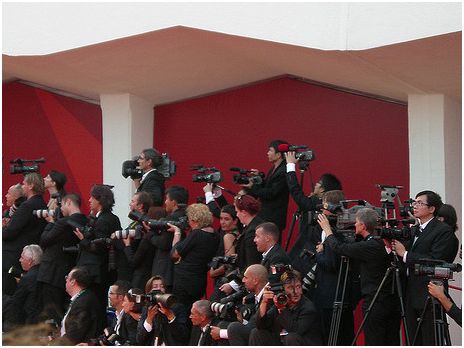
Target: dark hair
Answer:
[[123, 286], [138, 306], [104, 195], [448, 213], [271, 229], [74, 198], [178, 194], [248, 203], [145, 199], [330, 182], [82, 277], [289, 276], [60, 180], [433, 200], [149, 281], [275, 144], [230, 209], [333, 197], [154, 156], [156, 213]]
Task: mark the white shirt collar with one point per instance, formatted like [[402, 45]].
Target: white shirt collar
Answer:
[[267, 252], [145, 174]]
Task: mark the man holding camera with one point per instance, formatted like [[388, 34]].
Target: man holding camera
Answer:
[[24, 228], [152, 180], [290, 322], [433, 239], [273, 192], [160, 325], [56, 262], [382, 326], [237, 333]]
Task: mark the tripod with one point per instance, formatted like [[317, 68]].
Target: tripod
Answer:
[[396, 280], [339, 300], [297, 214], [440, 325]]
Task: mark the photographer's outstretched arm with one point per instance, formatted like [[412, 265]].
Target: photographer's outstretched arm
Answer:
[[325, 225], [177, 236]]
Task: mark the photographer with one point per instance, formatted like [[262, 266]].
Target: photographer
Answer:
[[293, 323], [23, 307], [450, 307], [309, 235], [214, 199], [56, 263], [132, 312], [14, 198], [152, 180], [94, 255], [192, 255], [54, 184], [23, 229], [383, 323], [433, 239], [135, 256], [237, 333], [160, 325], [202, 318], [266, 240], [273, 192], [247, 208], [175, 204]]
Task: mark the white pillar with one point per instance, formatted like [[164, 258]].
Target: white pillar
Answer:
[[435, 156], [127, 130]]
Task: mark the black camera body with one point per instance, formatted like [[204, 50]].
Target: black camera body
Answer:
[[210, 175], [225, 309], [246, 176], [154, 297], [129, 169], [87, 230], [436, 269], [275, 283], [217, 261], [158, 225], [18, 166]]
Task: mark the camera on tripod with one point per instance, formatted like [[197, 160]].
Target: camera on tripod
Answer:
[[18, 165], [158, 225], [436, 269], [246, 176], [210, 175], [390, 230]]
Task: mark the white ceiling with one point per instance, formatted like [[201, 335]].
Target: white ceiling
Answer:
[[177, 63]]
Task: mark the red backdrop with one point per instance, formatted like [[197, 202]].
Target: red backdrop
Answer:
[[66, 131]]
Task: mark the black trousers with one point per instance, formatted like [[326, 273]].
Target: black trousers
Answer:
[[426, 335], [262, 337]]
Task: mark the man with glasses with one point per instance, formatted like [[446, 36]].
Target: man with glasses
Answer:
[[433, 239], [152, 180]]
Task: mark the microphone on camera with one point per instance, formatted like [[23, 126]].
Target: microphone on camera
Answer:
[[287, 147]]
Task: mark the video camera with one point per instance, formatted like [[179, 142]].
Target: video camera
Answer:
[[167, 167], [436, 269], [210, 175], [154, 297], [158, 225], [246, 176], [217, 261], [306, 155], [18, 166]]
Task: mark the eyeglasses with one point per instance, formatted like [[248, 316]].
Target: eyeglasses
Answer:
[[420, 204]]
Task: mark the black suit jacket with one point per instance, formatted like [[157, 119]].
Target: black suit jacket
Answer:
[[274, 196], [206, 340], [23, 229], [94, 257], [247, 254], [56, 263], [438, 242], [154, 185], [82, 321], [128, 330], [276, 255]]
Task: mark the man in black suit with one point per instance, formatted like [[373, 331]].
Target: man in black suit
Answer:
[[383, 323], [175, 205], [152, 180], [93, 252], [296, 316], [201, 317], [23, 229], [273, 192], [23, 306], [266, 240], [83, 320], [433, 240], [237, 333], [56, 263]]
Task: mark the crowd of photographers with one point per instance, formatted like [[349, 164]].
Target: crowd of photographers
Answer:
[[95, 283]]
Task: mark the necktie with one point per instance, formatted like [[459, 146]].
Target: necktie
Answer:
[[418, 232]]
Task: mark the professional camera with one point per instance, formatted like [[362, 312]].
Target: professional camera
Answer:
[[15, 272], [217, 261], [246, 176], [86, 230], [390, 229], [158, 225], [18, 166], [134, 233], [309, 280], [130, 168], [154, 297], [44, 213], [109, 338], [436, 269], [275, 283], [167, 167], [225, 309], [210, 175]]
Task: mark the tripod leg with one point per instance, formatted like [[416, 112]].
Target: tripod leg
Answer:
[[399, 291], [421, 319], [295, 217], [339, 301]]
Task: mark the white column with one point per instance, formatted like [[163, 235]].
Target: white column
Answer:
[[127, 130], [435, 155]]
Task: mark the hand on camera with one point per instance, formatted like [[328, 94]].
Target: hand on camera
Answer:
[[398, 247], [172, 228], [208, 188], [79, 234], [152, 312], [320, 248], [324, 223], [226, 288], [436, 291], [215, 333], [290, 157]]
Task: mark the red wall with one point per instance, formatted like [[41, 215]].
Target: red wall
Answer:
[[364, 141], [66, 131]]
